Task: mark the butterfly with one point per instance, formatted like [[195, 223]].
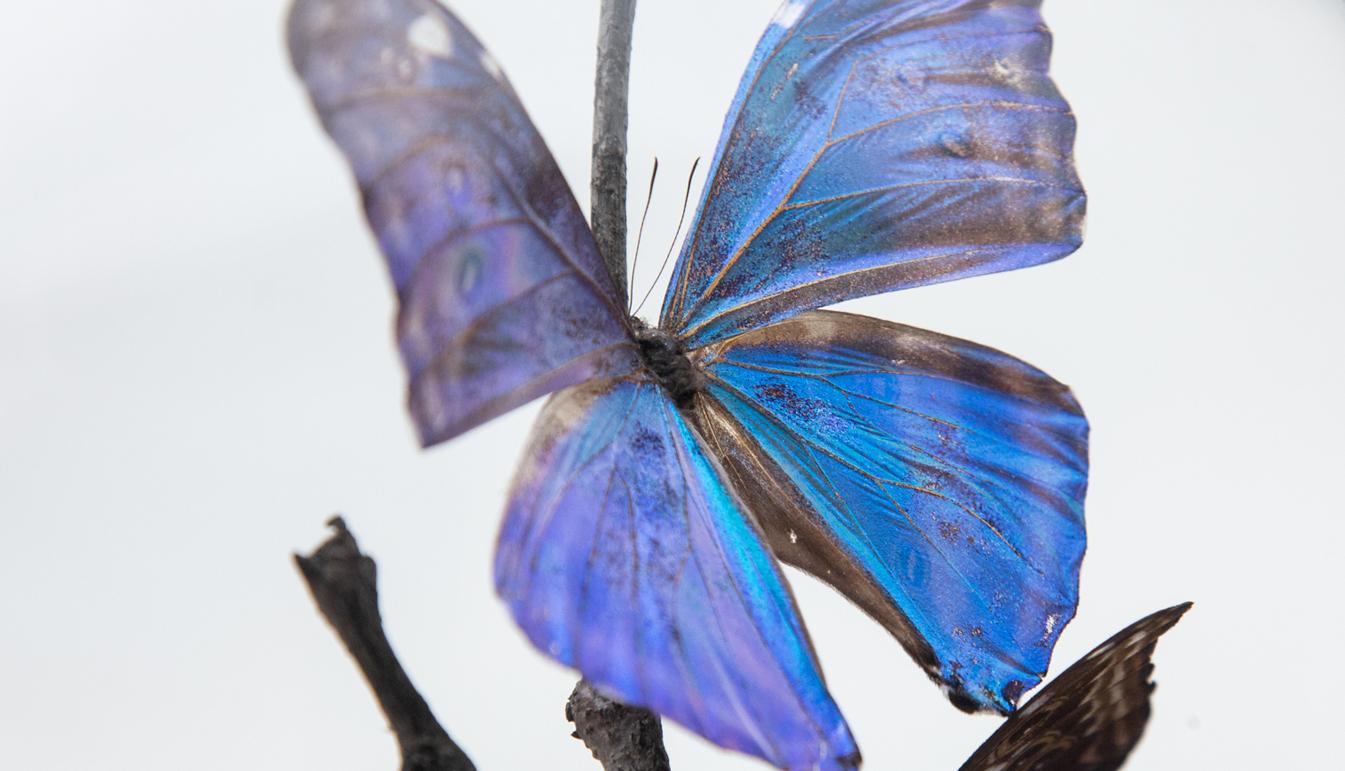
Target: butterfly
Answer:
[[939, 484], [1090, 717]]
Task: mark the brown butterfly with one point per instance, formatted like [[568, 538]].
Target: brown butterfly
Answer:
[[1090, 717]]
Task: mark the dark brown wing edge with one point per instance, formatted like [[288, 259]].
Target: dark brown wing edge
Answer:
[[1090, 717]]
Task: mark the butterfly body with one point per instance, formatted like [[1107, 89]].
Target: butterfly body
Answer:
[[873, 145], [666, 358]]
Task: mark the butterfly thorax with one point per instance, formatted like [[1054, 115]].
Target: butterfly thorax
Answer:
[[665, 357]]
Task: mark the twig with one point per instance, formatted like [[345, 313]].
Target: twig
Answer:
[[611, 100], [344, 584], [621, 737]]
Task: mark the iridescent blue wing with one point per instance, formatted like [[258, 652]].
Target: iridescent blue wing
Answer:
[[1090, 717], [503, 296], [625, 555], [877, 145], [937, 483]]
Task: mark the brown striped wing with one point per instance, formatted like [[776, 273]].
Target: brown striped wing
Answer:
[[1090, 717]]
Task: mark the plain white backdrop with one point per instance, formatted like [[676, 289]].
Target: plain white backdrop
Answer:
[[196, 368]]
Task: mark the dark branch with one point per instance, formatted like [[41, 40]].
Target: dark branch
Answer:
[[611, 97], [344, 584], [622, 738]]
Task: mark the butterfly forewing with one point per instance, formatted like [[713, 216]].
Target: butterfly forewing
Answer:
[[1090, 717], [502, 294], [625, 554], [937, 483], [877, 145]]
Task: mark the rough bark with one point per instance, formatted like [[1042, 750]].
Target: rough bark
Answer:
[[620, 737], [611, 100]]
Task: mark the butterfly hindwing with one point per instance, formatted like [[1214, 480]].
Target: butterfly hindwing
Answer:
[[877, 145], [502, 294], [937, 483], [625, 554], [1090, 717]]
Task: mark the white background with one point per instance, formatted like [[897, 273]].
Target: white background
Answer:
[[196, 368]]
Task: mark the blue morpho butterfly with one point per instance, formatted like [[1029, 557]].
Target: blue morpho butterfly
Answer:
[[873, 145]]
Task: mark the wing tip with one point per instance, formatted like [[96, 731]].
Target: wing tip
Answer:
[[1168, 617], [851, 760], [303, 24], [1002, 700], [431, 432]]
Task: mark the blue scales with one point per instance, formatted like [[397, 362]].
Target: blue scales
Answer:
[[872, 146]]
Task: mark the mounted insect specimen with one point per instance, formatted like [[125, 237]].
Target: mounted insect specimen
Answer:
[[939, 484]]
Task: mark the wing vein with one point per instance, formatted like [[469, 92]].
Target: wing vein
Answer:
[[873, 191], [882, 482], [834, 277]]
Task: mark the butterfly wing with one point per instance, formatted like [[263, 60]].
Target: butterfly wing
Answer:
[[937, 483], [625, 555], [1090, 717], [502, 294], [878, 145]]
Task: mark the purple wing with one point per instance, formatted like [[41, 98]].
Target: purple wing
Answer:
[[625, 555], [937, 483], [503, 296], [1090, 717], [878, 145]]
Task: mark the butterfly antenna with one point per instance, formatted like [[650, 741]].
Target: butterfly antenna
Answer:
[[680, 220], [640, 236]]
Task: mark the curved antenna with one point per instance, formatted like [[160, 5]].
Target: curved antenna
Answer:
[[640, 236], [680, 220]]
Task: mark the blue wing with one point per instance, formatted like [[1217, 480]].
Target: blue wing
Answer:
[[503, 296], [625, 555], [1090, 717], [878, 145], [937, 483]]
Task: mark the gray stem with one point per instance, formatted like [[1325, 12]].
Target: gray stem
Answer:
[[621, 737], [611, 104]]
